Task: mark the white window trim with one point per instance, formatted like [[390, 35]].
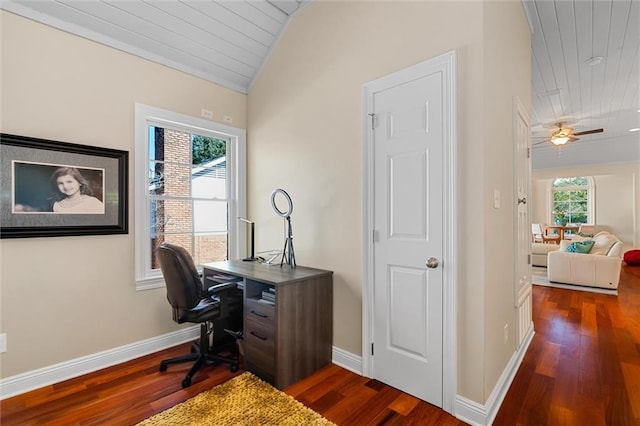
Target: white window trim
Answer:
[[591, 198], [236, 165]]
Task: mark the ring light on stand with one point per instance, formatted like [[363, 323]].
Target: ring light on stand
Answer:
[[287, 253]]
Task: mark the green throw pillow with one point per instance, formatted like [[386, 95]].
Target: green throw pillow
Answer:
[[585, 235], [580, 246]]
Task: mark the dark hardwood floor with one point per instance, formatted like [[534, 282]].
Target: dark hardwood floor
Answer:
[[583, 365], [582, 368]]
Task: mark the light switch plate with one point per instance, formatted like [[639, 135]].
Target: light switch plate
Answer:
[[496, 198]]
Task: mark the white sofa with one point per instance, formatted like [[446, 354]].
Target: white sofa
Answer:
[[539, 253], [598, 268]]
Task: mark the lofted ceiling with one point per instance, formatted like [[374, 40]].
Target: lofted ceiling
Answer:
[[228, 41], [585, 58]]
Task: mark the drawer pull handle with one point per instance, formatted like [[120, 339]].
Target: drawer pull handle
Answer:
[[258, 336], [260, 315]]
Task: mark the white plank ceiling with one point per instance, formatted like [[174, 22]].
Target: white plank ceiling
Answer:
[[222, 41], [566, 35], [228, 41]]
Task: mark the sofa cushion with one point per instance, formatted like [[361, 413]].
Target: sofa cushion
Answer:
[[580, 246], [603, 243], [632, 257], [585, 235]]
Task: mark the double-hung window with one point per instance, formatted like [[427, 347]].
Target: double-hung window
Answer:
[[572, 199], [190, 188]]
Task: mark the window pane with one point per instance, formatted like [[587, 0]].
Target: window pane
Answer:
[[171, 216], [210, 181], [210, 216], [169, 145], [171, 180], [182, 240], [570, 181], [210, 248], [206, 149]]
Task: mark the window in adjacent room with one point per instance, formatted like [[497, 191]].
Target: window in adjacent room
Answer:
[[189, 183], [572, 200]]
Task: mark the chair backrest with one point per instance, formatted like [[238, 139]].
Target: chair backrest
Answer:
[[184, 287], [536, 229], [587, 229]]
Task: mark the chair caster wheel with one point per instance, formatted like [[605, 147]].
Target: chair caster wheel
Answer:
[[186, 382], [233, 368], [163, 367]]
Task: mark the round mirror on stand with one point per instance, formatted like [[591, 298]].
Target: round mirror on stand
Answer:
[[287, 253]]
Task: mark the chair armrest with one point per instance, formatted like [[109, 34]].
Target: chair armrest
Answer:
[[214, 289], [229, 296]]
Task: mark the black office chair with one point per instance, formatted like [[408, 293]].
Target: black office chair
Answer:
[[217, 309]]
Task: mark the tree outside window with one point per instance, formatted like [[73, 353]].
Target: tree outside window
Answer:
[[571, 200]]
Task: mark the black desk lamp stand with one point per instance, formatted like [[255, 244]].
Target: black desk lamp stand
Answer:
[[253, 256]]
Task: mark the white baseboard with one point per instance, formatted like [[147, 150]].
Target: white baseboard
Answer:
[[478, 414], [466, 410], [56, 373], [347, 360]]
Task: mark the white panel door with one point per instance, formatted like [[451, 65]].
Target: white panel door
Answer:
[[408, 223], [523, 231]]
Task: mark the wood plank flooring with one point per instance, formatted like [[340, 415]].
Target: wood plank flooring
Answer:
[[583, 364], [582, 368]]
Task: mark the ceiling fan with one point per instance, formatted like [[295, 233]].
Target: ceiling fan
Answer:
[[563, 135]]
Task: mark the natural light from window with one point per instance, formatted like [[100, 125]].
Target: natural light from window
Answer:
[[572, 200], [189, 182]]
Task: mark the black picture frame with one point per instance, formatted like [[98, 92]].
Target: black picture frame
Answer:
[[32, 204]]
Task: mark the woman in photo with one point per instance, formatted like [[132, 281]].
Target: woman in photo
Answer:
[[74, 194]]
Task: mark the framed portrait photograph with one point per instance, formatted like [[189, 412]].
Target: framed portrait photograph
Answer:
[[54, 189]]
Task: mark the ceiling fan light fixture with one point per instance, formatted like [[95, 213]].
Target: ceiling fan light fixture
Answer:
[[560, 140]]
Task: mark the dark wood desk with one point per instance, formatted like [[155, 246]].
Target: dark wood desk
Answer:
[[291, 338]]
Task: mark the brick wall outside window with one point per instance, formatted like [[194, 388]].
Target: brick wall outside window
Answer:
[[174, 218]]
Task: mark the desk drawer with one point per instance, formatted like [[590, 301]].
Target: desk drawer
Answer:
[[259, 312], [259, 346]]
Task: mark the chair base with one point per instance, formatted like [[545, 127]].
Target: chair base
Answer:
[[202, 354], [199, 359]]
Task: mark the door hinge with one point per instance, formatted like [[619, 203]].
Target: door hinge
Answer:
[[375, 236], [528, 259], [528, 152], [371, 348], [373, 120]]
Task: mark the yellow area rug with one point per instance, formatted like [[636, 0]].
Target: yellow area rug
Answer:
[[243, 400]]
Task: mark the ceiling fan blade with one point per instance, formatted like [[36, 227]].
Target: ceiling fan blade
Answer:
[[588, 132], [540, 143]]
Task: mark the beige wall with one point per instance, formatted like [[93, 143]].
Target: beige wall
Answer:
[[304, 135], [63, 298], [507, 70], [617, 198]]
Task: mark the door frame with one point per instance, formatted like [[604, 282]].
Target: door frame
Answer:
[[447, 65]]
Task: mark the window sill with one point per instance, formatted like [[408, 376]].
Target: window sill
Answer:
[[149, 283]]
